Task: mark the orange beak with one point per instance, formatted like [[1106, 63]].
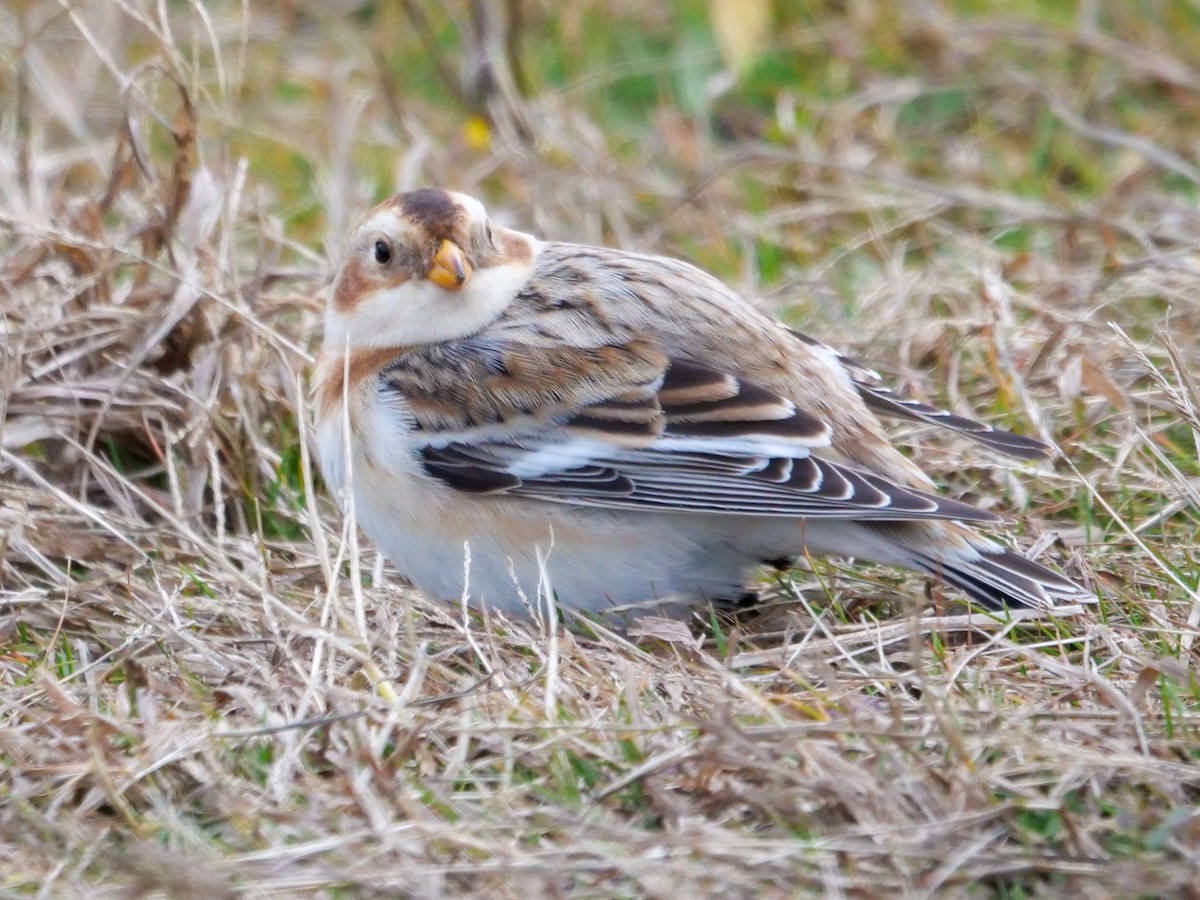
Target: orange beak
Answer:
[[449, 267]]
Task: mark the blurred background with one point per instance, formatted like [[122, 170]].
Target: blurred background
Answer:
[[767, 140]]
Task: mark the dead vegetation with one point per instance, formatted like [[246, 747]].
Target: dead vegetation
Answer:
[[209, 689]]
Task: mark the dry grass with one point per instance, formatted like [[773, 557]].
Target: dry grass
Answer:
[[1003, 211]]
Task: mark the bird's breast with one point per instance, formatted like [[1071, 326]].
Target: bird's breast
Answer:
[[361, 433]]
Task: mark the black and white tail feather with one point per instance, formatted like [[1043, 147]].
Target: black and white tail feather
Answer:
[[999, 578], [989, 574]]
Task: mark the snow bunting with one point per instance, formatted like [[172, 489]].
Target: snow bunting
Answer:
[[624, 426]]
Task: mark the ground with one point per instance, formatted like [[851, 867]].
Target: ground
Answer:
[[211, 688]]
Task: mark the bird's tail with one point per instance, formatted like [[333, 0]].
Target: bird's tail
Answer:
[[1005, 579], [991, 575]]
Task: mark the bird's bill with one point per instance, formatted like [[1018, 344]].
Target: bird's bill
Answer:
[[449, 267]]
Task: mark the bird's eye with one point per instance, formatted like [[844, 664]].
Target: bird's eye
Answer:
[[382, 252], [491, 239]]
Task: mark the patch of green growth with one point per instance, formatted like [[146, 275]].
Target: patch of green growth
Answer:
[[934, 112], [1023, 886], [1060, 164], [771, 260], [291, 173], [1043, 12], [116, 456], [432, 800], [718, 633], [252, 760], [800, 71], [198, 584], [585, 770], [719, 258], [1018, 239], [286, 488], [64, 658], [624, 68]]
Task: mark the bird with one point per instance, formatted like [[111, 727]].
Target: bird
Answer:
[[517, 419]]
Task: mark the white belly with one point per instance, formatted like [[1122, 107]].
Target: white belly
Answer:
[[506, 554]]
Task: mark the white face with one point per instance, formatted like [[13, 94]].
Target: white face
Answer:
[[388, 292]]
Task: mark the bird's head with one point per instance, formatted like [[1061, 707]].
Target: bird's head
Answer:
[[425, 266]]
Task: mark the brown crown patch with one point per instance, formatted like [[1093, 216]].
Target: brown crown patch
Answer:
[[433, 209]]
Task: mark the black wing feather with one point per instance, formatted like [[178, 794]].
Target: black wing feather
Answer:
[[885, 401]]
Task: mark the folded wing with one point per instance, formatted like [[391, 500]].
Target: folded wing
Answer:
[[684, 438]]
